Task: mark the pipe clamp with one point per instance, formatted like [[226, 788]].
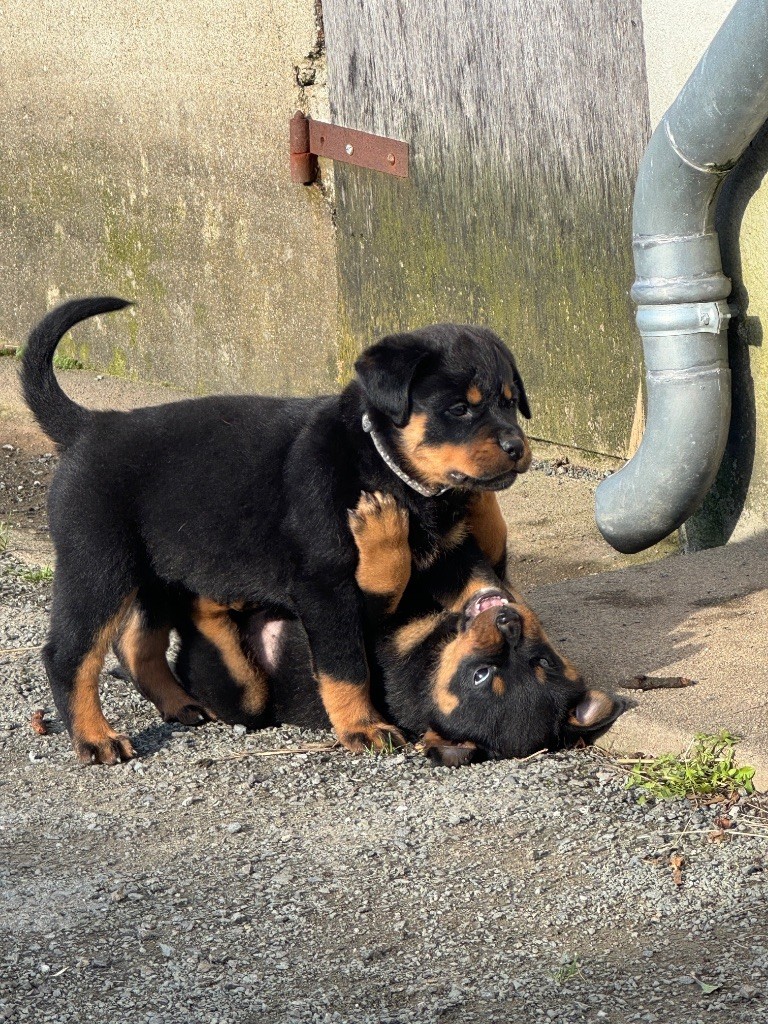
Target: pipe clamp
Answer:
[[683, 318]]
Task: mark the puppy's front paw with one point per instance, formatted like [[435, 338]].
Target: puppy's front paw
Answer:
[[447, 753], [380, 529], [377, 519]]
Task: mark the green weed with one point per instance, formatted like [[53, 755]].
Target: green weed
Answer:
[[62, 362], [40, 575], [707, 766], [567, 971], [388, 748]]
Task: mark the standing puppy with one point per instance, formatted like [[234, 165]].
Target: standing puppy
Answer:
[[243, 501]]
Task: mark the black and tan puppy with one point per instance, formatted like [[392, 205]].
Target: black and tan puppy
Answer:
[[242, 501], [474, 681]]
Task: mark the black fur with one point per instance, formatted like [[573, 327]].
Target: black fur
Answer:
[[509, 694], [243, 499], [61, 418]]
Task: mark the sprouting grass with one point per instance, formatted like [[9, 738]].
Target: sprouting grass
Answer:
[[388, 748], [568, 970], [708, 766], [62, 362], [5, 535], [42, 574]]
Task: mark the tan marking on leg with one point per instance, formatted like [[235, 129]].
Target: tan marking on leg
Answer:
[[487, 526], [380, 528], [214, 622], [143, 651], [357, 723], [92, 736]]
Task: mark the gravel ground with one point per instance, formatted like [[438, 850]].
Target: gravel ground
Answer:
[[563, 466], [215, 881]]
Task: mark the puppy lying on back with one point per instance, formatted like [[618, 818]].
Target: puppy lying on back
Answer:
[[479, 679]]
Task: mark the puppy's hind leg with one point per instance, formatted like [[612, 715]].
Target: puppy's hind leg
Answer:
[[141, 648], [215, 623], [81, 632]]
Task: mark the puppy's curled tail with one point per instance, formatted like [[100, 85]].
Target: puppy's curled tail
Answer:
[[60, 417]]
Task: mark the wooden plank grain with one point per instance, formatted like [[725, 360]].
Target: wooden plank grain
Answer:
[[526, 123]]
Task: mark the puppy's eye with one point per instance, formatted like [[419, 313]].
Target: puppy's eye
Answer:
[[458, 410], [544, 663], [482, 675]]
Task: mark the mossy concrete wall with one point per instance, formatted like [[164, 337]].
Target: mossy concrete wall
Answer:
[[675, 38], [526, 122], [144, 154]]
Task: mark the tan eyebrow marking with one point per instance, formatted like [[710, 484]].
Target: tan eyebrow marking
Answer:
[[474, 394], [507, 392]]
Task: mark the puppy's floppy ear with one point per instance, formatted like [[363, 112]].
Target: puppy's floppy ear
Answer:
[[386, 370], [596, 711], [522, 402]]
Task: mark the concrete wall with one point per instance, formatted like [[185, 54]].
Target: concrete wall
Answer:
[[676, 35], [144, 154], [526, 120]]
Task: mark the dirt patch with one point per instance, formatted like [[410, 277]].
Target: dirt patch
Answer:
[[27, 465]]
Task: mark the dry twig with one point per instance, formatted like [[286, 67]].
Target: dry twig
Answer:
[[309, 748], [657, 683]]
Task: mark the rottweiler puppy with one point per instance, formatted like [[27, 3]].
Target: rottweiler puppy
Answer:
[[242, 501], [477, 680]]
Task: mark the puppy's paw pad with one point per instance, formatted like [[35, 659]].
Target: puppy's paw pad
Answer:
[[378, 516]]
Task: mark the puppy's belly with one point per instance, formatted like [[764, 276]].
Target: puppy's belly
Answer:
[[264, 637]]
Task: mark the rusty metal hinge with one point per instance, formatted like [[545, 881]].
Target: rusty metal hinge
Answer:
[[311, 139]]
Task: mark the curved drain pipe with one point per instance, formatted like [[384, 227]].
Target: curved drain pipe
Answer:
[[680, 287]]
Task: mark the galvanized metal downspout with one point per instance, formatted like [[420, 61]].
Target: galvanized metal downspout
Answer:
[[680, 287]]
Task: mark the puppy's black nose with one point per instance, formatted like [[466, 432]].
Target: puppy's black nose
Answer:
[[508, 624], [512, 444]]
